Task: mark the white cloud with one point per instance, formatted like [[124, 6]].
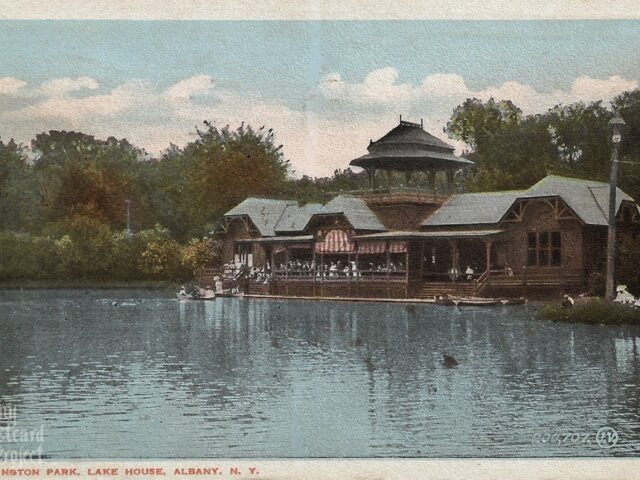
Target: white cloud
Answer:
[[444, 85], [595, 89], [63, 86], [190, 87], [335, 125], [10, 86]]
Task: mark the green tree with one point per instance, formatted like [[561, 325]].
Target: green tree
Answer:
[[19, 202], [510, 150], [628, 106], [219, 169], [579, 134], [79, 174]]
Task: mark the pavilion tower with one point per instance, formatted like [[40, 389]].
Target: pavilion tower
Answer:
[[410, 149]]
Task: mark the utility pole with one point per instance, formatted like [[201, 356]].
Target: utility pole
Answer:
[[129, 234], [616, 125]]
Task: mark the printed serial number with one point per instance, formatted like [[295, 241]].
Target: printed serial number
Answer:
[[605, 437], [563, 438]]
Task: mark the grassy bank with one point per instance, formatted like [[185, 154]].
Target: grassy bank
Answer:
[[595, 312]]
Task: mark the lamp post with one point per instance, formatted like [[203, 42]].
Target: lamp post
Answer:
[[616, 125]]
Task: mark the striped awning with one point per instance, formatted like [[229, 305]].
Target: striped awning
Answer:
[[335, 241], [372, 247], [380, 246], [398, 246]]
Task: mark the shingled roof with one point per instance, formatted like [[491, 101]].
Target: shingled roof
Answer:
[[295, 218], [263, 212], [408, 147], [355, 210], [587, 198], [473, 209]]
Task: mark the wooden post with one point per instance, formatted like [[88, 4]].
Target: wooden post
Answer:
[[450, 180], [388, 257], [357, 266], [388, 265], [487, 244], [321, 274], [349, 274], [371, 173], [314, 269], [454, 258], [286, 270], [273, 265], [406, 271], [286, 262]]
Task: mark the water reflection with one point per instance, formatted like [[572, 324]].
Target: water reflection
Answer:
[[152, 377]]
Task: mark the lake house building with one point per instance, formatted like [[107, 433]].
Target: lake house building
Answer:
[[425, 240]]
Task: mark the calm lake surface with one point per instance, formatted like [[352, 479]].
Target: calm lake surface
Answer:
[[154, 377]]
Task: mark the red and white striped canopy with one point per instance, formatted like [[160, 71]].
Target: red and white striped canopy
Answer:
[[380, 246], [335, 241], [398, 246], [372, 247]]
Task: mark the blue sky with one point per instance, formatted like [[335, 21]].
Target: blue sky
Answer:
[[153, 81]]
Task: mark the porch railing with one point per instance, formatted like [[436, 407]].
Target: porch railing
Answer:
[[360, 275]]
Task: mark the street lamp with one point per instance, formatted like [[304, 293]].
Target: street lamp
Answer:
[[616, 124]]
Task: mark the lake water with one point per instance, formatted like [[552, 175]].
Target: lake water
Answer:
[[154, 377]]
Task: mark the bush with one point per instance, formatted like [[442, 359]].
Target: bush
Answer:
[[595, 312], [199, 254], [85, 248], [162, 259]]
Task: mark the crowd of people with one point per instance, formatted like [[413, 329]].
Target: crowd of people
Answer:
[[339, 268], [301, 268], [309, 268]]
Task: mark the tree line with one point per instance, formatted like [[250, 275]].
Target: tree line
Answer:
[[63, 198]]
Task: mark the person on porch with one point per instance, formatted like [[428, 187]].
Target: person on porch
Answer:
[[469, 272], [453, 273]]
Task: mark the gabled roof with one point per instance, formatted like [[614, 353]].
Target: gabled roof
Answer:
[[587, 198], [355, 210], [263, 212], [295, 218], [473, 208]]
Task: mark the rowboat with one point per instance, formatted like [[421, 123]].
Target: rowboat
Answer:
[[479, 301], [197, 294]]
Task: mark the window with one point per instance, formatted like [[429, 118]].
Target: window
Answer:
[[544, 249]]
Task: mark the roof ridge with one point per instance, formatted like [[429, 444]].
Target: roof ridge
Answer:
[[490, 193], [573, 179], [286, 200], [595, 199], [275, 224]]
